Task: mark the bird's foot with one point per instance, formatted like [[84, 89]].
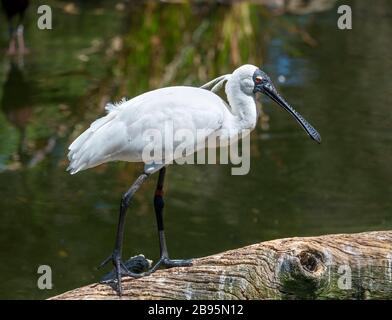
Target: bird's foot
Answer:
[[135, 267], [131, 268]]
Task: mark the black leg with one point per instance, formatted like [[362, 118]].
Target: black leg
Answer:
[[158, 206], [115, 257]]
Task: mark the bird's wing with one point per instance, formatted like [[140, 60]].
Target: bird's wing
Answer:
[[121, 134]]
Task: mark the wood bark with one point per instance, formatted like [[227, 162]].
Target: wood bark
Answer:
[[357, 266]]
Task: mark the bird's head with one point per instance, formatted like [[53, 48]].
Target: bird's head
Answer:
[[253, 80]]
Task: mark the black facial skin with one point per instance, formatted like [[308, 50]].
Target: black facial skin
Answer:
[[266, 86]]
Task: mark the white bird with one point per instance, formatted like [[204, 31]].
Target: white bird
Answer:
[[119, 136]]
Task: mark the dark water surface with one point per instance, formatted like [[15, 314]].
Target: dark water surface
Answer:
[[99, 51]]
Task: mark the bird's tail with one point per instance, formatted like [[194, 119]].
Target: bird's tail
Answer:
[[82, 150]]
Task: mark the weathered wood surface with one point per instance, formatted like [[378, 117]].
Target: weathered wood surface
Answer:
[[294, 268]]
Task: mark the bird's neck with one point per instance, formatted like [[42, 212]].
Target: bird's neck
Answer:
[[243, 106]]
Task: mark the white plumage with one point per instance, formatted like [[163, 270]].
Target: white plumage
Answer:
[[119, 134]]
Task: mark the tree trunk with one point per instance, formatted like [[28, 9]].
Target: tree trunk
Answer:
[[357, 266]]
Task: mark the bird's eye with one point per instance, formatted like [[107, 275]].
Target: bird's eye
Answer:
[[258, 79]]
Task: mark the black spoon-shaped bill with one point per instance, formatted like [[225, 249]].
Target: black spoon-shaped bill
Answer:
[[274, 95]]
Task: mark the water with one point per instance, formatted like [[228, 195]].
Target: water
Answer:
[[339, 80]]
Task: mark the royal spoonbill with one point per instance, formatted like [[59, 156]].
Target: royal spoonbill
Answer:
[[117, 136], [15, 10]]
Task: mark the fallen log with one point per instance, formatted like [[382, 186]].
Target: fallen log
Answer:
[[357, 266]]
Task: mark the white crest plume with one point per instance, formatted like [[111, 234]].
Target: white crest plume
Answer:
[[217, 83]]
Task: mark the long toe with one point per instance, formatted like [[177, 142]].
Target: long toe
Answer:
[[122, 271], [169, 263]]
